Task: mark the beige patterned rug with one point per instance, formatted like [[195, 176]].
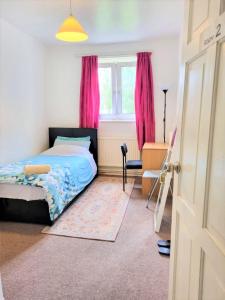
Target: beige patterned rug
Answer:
[[98, 213]]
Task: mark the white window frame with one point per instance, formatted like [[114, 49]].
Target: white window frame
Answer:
[[117, 92]]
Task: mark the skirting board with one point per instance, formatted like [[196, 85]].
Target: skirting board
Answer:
[[117, 171]]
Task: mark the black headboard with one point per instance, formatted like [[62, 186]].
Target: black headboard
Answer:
[[76, 132]]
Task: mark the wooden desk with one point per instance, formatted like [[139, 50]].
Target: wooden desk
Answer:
[[153, 155]]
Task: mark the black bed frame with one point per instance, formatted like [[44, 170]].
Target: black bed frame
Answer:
[[37, 211]]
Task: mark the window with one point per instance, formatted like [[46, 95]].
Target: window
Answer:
[[117, 83]]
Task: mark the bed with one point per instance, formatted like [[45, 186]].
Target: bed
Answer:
[[36, 204]]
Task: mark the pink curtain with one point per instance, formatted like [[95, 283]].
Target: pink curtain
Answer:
[[144, 100], [89, 93]]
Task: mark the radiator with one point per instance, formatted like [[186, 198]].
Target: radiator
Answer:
[[110, 156]]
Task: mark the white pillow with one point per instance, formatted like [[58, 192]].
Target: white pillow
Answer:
[[66, 150], [85, 144]]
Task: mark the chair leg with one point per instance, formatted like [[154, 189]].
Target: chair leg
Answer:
[[125, 174], [123, 182], [171, 190], [152, 191], [123, 177], [159, 197]]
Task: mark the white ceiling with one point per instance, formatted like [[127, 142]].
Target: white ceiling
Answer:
[[106, 21]]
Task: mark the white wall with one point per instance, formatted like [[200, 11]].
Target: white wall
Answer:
[[23, 130], [63, 71], [63, 83]]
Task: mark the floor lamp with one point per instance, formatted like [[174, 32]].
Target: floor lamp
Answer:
[[164, 116]]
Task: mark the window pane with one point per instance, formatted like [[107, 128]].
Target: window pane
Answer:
[[128, 81], [105, 86]]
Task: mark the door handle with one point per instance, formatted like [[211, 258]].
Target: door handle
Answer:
[[171, 167], [177, 167]]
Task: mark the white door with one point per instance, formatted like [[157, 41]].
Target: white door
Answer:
[[197, 269]]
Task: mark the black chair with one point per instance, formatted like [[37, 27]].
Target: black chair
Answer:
[[128, 165]]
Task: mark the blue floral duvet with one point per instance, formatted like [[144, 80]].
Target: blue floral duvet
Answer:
[[68, 177]]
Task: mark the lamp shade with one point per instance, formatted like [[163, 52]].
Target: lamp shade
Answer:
[[71, 31]]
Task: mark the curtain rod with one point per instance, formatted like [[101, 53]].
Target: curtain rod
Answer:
[[106, 55]]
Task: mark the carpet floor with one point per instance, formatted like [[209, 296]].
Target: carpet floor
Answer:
[[36, 266]]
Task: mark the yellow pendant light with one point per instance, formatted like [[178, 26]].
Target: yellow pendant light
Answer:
[[71, 30]]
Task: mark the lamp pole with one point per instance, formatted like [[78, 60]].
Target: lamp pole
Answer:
[[164, 116]]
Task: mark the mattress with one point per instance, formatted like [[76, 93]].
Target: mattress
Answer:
[[23, 192]]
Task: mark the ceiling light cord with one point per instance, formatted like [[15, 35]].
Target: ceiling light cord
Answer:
[[71, 13]]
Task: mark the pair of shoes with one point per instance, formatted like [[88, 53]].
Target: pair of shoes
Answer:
[[164, 247]]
